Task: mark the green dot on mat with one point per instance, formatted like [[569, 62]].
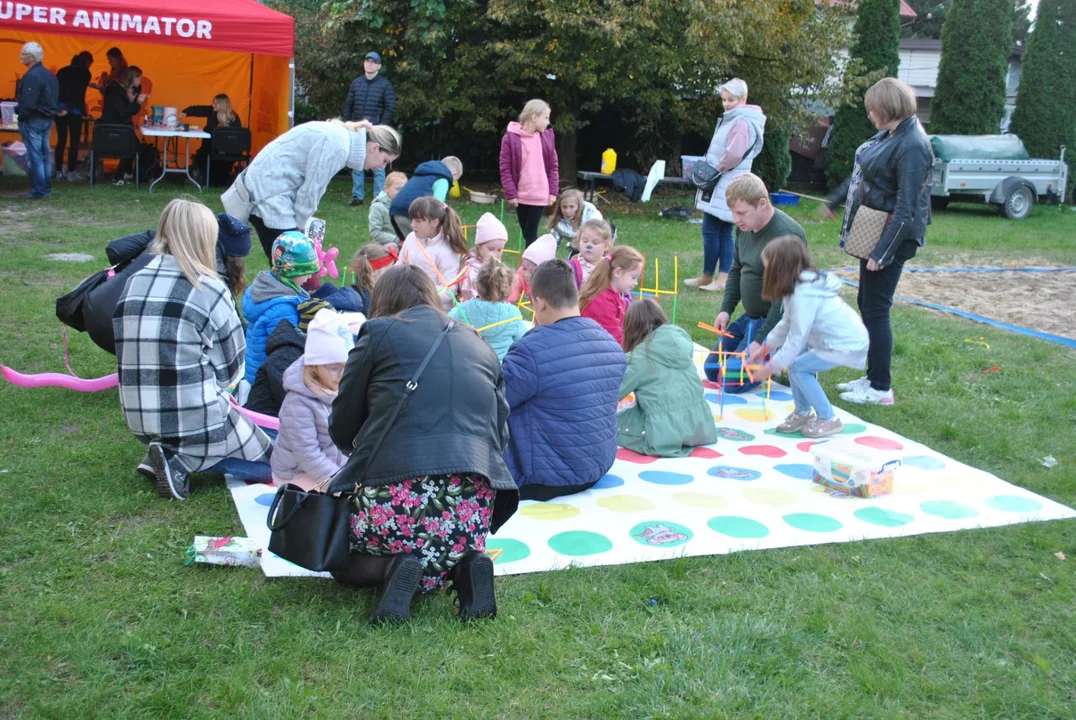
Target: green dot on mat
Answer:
[[580, 542], [737, 527], [812, 522], [506, 550], [1014, 503], [661, 533], [948, 509], [849, 429], [885, 518]]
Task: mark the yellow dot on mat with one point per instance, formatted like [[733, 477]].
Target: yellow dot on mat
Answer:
[[754, 414], [770, 497], [905, 487], [549, 511], [698, 499], [626, 503]]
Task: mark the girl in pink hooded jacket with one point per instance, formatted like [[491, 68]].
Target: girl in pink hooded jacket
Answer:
[[529, 167], [304, 454]]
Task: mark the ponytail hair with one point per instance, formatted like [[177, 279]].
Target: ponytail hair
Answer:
[[622, 257], [430, 208], [387, 138], [363, 264]]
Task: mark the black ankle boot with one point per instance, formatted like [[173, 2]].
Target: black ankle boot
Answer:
[[472, 581], [401, 582]]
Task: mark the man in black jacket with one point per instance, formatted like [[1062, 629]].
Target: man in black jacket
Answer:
[[372, 98], [37, 99], [73, 81]]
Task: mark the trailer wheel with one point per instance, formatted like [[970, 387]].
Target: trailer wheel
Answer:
[[1018, 205], [939, 203]]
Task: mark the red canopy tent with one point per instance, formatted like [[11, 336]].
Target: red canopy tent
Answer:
[[189, 50]]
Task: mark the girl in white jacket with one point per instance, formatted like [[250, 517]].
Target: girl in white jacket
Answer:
[[817, 332]]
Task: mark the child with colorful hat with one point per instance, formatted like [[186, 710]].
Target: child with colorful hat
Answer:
[[275, 294]]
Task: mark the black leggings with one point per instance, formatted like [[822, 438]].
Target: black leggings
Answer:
[[266, 235], [875, 298], [530, 217], [68, 128]]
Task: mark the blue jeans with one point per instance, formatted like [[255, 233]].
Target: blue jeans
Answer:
[[808, 394], [744, 330], [717, 244], [35, 134], [242, 469], [358, 183]]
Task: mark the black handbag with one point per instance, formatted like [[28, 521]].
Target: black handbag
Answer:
[[704, 175], [309, 527], [69, 307]]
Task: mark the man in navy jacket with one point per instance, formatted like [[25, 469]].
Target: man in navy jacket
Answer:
[[38, 101], [370, 97], [562, 383]]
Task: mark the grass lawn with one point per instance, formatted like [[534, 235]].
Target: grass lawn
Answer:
[[99, 617]]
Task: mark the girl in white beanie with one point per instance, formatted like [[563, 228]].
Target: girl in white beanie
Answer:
[[304, 454], [490, 236]]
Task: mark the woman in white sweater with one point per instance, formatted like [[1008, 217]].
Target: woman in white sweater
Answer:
[[282, 186]]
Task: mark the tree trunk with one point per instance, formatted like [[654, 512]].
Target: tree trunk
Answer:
[[566, 143]]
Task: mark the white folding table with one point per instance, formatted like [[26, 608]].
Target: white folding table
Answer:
[[168, 134]]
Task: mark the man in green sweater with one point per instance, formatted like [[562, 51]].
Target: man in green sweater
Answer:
[[759, 222]]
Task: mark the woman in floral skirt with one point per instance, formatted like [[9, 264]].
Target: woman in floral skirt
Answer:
[[427, 484]]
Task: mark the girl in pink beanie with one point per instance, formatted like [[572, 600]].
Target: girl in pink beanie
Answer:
[[490, 235], [542, 249]]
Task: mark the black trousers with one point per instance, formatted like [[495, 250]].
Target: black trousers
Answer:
[[875, 298], [549, 492], [68, 127], [266, 235], [530, 217]]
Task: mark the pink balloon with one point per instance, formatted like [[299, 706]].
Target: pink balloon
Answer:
[[265, 421], [60, 380]]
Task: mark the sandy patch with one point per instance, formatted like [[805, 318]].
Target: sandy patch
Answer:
[[1040, 301]]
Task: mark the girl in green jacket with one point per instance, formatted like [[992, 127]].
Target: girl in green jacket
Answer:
[[670, 415]]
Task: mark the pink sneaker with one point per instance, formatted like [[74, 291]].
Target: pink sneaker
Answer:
[[823, 428]]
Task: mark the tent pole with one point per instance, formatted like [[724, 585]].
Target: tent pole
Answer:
[[291, 93], [250, 91]]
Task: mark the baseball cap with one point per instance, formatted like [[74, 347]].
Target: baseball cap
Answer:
[[373, 56]]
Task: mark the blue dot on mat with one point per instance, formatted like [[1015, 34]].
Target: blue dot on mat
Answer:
[[948, 509], [1014, 503], [777, 395], [885, 518], [737, 527], [812, 522], [923, 462], [800, 471], [730, 399], [608, 481], [663, 477], [733, 473], [265, 499]]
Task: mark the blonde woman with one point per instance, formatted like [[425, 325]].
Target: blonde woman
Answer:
[[282, 186], [529, 172], [179, 346], [219, 114]]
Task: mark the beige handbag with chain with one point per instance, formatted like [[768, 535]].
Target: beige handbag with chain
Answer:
[[867, 228]]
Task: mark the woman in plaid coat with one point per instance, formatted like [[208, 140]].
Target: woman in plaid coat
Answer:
[[179, 346]]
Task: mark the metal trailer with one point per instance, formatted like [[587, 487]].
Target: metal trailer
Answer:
[[1013, 186]]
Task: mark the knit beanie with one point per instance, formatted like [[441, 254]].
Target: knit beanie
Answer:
[[356, 154], [233, 236], [294, 254], [488, 229], [542, 249], [328, 339], [308, 309]]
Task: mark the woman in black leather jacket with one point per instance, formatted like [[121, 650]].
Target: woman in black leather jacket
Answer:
[[892, 173], [429, 484]]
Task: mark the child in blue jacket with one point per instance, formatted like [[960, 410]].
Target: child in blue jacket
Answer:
[[496, 320], [275, 294]]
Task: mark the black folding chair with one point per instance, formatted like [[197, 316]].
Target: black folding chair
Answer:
[[228, 145], [115, 141]]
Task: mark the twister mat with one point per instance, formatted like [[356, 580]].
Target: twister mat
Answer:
[[750, 491]]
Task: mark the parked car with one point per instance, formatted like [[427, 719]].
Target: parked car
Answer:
[[994, 169]]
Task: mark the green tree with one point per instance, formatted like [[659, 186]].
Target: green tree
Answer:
[[874, 55], [969, 98], [774, 163], [1045, 115], [929, 18]]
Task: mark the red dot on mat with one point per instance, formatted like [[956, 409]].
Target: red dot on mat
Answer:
[[879, 443], [806, 446], [634, 457], [764, 450], [704, 452]]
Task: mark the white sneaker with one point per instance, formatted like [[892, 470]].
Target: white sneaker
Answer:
[[73, 176], [866, 395], [852, 385]]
